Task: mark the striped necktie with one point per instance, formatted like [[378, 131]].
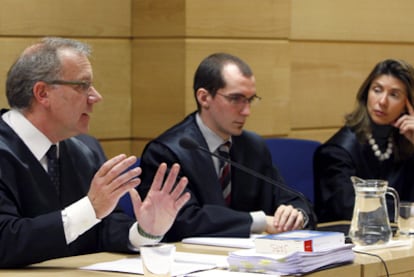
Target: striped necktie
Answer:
[[224, 171], [53, 166]]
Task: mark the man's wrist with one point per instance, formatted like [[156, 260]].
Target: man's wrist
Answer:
[[147, 235], [305, 217], [258, 222]]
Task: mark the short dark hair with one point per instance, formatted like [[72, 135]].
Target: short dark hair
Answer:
[[209, 73]]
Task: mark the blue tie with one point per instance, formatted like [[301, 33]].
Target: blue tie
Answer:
[[53, 166]]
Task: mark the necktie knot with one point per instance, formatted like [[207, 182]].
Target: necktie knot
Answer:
[[52, 152], [226, 146], [224, 150]]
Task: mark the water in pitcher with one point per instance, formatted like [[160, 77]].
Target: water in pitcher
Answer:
[[370, 223], [370, 228]]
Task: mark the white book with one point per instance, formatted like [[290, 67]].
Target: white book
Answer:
[[299, 240]]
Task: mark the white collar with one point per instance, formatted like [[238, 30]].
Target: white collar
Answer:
[[35, 140]]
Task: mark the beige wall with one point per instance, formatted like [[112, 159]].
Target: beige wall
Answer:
[[309, 57]]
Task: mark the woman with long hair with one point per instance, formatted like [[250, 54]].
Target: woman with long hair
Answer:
[[377, 142]]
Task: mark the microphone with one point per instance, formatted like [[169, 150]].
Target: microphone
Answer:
[[191, 144]]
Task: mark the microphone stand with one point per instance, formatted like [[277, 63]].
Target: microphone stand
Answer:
[[191, 144]]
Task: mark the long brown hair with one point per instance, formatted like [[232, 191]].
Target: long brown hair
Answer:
[[359, 120]]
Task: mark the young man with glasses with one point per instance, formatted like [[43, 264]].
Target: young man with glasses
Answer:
[[62, 201], [225, 201]]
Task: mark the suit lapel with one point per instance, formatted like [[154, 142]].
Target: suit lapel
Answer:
[[199, 159]]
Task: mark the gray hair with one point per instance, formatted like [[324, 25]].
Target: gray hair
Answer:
[[38, 62]]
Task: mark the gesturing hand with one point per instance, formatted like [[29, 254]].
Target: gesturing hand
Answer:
[[111, 182], [157, 212]]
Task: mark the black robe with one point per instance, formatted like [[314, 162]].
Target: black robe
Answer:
[[31, 228], [206, 213], [341, 157]]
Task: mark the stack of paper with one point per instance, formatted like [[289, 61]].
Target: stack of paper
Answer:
[[295, 263]]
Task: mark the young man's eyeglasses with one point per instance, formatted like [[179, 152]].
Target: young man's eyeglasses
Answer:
[[240, 100]]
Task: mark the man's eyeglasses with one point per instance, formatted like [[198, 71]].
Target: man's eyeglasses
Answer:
[[240, 100], [83, 85]]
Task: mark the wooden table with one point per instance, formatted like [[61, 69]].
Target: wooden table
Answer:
[[400, 262], [69, 266]]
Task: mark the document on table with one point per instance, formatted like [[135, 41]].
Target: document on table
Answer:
[[246, 243], [226, 273], [184, 263]]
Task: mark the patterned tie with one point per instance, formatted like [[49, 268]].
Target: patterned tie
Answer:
[[53, 166], [224, 172]]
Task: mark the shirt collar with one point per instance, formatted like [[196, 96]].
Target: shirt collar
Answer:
[[35, 140], [213, 140]]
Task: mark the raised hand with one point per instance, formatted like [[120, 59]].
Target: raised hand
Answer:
[[111, 182], [157, 212], [406, 123]]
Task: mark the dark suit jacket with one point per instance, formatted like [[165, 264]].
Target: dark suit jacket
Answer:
[[31, 228], [206, 213], [341, 157]]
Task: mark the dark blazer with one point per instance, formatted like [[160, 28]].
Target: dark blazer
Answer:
[[31, 228], [206, 213], [341, 157]]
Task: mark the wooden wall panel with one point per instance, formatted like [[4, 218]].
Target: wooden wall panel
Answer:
[[138, 146], [24, 22], [158, 18], [238, 18], [206, 18], [10, 49], [111, 61], [309, 57], [103, 18], [320, 135], [157, 85], [326, 76], [116, 147], [353, 20]]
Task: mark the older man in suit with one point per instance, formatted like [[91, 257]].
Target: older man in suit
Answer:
[[58, 194]]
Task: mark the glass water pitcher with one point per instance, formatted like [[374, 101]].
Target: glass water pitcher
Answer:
[[370, 222]]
